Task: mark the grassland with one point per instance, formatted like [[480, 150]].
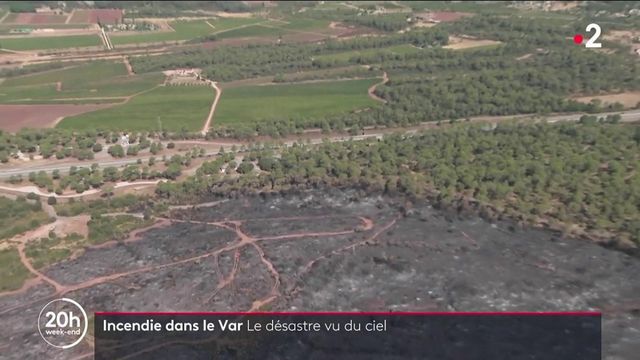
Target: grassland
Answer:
[[347, 55], [19, 216], [107, 228], [46, 251], [292, 100], [172, 108], [50, 42], [12, 272], [84, 83], [184, 30]]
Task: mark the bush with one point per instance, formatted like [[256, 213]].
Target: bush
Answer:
[[52, 200], [245, 167]]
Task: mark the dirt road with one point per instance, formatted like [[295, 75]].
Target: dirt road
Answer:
[[207, 124]]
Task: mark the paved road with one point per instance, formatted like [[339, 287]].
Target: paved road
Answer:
[[627, 116]]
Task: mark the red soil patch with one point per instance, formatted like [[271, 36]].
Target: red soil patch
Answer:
[[16, 117], [105, 16], [33, 18]]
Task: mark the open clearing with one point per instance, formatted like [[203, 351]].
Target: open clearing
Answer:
[[289, 100], [627, 99], [167, 107], [463, 43], [16, 117], [50, 42]]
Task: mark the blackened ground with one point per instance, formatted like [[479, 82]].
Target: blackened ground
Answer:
[[321, 251]]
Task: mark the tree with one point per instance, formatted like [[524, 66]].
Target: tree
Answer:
[[110, 174], [97, 147], [52, 200], [116, 151]]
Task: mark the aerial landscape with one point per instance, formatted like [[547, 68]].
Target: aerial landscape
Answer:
[[258, 156]]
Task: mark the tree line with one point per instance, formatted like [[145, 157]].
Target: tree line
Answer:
[[559, 175]]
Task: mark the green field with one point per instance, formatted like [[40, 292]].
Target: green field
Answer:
[[174, 107], [184, 30], [252, 31], [50, 42], [302, 24], [79, 82], [347, 55], [75, 75], [253, 103]]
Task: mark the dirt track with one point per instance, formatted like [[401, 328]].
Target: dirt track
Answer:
[[372, 89], [207, 124], [330, 252]]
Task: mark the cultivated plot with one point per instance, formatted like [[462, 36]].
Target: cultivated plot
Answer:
[[172, 108], [292, 100], [50, 42], [94, 82], [183, 30]]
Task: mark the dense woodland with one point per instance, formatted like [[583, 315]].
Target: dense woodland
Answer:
[[583, 174]]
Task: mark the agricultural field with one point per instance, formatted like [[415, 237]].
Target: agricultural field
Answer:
[[347, 55], [257, 30], [93, 16], [172, 108], [34, 19], [301, 24], [184, 30], [292, 100], [6, 29], [74, 76], [89, 82], [50, 42]]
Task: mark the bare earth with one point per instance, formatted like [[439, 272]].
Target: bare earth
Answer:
[[627, 99], [459, 43], [15, 117]]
